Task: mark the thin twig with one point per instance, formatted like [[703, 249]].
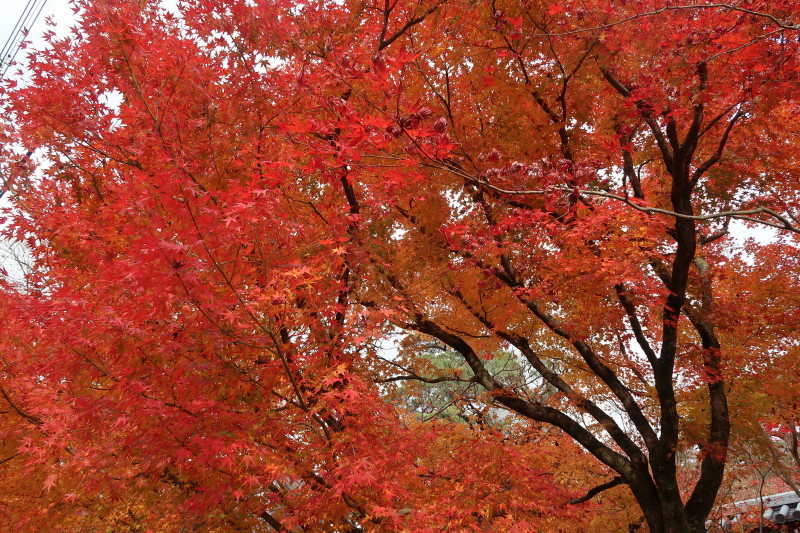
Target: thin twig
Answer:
[[729, 7]]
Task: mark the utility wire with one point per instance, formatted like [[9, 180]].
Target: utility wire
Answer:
[[24, 24], [13, 44], [11, 37]]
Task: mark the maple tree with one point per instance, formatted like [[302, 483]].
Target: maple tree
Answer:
[[229, 205]]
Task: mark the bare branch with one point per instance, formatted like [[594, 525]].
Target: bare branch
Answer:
[[741, 214], [415, 377], [272, 521], [556, 380], [707, 239], [636, 326], [30, 418], [597, 490], [728, 7], [645, 111], [385, 42], [708, 163], [528, 409]]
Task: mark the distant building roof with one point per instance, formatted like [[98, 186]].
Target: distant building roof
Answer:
[[778, 508]]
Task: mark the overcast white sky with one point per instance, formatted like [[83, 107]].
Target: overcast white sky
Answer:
[[11, 10]]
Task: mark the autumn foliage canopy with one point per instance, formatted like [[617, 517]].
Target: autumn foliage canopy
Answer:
[[253, 227]]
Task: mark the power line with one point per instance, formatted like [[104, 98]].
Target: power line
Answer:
[[7, 46], [13, 44]]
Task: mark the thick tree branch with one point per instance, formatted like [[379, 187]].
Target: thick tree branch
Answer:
[[711, 161], [528, 409], [715, 451], [685, 235], [689, 143], [272, 521], [384, 42], [508, 275], [636, 326], [629, 174], [599, 368], [574, 396], [646, 112]]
